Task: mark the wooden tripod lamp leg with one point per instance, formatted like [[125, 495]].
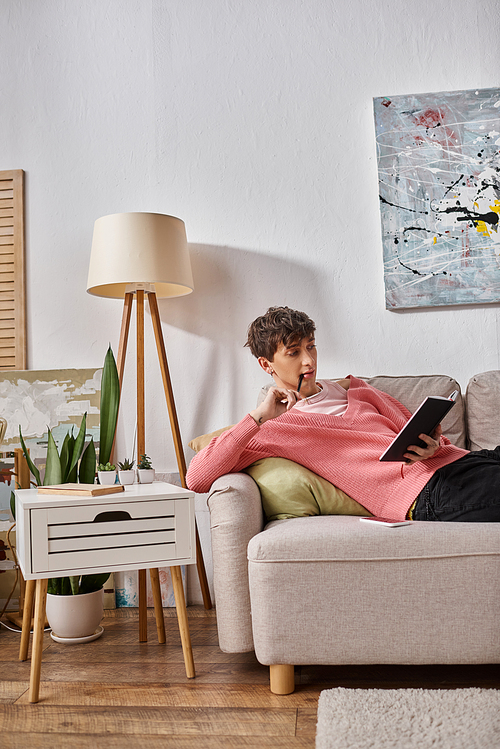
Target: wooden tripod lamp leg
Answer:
[[120, 365], [174, 425], [122, 345], [141, 449], [160, 621]]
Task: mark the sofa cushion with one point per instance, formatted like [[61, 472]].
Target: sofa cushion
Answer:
[[482, 400], [198, 443], [328, 590], [289, 490]]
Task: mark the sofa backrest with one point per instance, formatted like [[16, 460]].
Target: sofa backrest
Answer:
[[482, 404], [412, 389]]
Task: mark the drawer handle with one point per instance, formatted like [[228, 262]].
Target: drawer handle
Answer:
[[106, 517]]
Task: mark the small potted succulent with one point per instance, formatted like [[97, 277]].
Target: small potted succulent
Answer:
[[126, 473], [106, 473], [145, 470]]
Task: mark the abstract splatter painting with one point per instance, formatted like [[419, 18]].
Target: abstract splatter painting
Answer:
[[439, 188]]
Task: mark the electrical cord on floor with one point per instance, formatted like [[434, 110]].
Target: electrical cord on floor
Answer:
[[13, 552], [16, 629], [17, 570]]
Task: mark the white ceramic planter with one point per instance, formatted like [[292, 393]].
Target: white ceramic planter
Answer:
[[126, 477], [75, 616], [107, 477], [146, 475]]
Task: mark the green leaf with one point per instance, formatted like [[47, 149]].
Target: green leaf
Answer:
[[78, 446], [64, 456], [110, 400], [54, 586], [88, 464], [13, 504], [71, 476], [74, 581], [53, 465], [90, 583], [34, 470], [65, 587]]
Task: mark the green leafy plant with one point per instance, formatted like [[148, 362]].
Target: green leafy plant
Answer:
[[77, 463], [108, 467], [110, 401], [62, 468], [144, 462], [76, 585], [126, 465]]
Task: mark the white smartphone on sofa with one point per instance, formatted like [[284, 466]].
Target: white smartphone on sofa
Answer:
[[389, 522]]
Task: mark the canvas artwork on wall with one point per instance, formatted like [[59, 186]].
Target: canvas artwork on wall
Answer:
[[439, 188]]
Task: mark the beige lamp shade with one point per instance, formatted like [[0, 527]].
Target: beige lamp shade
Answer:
[[139, 250]]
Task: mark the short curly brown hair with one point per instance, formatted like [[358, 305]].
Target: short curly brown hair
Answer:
[[278, 325]]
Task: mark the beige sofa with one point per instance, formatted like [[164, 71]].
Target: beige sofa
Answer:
[[333, 590]]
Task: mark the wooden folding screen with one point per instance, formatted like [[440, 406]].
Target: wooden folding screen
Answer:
[[12, 292]]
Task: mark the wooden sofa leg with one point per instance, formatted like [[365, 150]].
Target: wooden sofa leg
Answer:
[[282, 679]]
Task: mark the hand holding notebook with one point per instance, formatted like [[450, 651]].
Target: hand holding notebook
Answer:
[[426, 418]]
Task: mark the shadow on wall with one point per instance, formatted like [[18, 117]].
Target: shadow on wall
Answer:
[[233, 287]]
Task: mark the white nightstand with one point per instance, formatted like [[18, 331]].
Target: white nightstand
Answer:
[[144, 527]]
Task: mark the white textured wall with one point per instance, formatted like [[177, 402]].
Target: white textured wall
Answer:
[[251, 121]]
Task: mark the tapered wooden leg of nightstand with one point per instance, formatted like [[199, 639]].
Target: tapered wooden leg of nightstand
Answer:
[[29, 596], [160, 621], [180, 603], [38, 625], [143, 607]]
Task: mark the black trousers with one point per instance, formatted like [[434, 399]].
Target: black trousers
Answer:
[[466, 491]]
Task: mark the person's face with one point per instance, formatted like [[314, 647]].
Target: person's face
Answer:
[[290, 362]]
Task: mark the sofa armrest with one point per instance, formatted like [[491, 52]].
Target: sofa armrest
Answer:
[[235, 517]]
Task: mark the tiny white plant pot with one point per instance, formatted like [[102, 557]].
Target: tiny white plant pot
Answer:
[[126, 477], [75, 617], [107, 477], [146, 475]]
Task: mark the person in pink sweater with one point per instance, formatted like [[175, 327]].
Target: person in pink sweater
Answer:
[[339, 430]]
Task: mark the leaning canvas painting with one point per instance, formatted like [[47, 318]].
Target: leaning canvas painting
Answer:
[[439, 189], [35, 400]]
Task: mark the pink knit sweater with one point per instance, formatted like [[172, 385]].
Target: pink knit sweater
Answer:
[[345, 450]]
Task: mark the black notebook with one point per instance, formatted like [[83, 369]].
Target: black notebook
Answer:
[[428, 415]]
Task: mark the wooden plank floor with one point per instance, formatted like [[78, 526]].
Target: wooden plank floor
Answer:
[[117, 693]]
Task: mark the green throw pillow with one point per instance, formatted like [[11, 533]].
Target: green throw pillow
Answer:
[[291, 491]]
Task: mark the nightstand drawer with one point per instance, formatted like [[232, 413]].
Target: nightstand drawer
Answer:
[[120, 534]]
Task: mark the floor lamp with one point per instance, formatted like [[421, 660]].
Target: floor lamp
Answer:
[[134, 256]]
